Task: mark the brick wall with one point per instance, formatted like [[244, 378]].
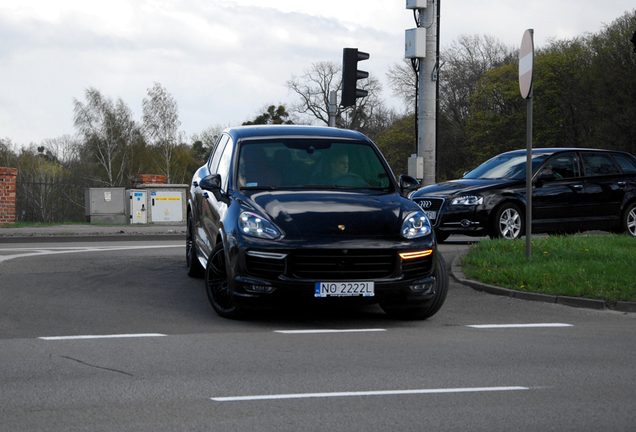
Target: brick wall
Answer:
[[7, 195], [141, 179]]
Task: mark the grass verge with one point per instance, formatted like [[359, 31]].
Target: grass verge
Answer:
[[595, 267]]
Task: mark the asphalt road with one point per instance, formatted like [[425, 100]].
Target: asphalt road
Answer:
[[114, 336]]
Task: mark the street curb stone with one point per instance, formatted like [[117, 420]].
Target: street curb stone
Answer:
[[92, 238], [92, 232], [458, 275]]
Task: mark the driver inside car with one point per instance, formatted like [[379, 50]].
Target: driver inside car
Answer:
[[336, 165]]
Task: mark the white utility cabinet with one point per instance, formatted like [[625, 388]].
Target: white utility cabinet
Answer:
[[166, 206], [136, 206]]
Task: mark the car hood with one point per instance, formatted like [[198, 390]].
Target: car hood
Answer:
[[305, 214], [461, 187]]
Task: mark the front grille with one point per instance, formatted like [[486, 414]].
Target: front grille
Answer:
[[417, 268], [430, 205], [341, 264]]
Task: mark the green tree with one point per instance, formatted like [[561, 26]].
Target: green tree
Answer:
[[203, 144], [584, 95], [497, 114], [38, 194], [611, 85], [561, 109], [397, 144], [272, 115], [184, 164]]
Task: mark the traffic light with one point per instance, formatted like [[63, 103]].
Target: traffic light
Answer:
[[633, 41], [351, 75]]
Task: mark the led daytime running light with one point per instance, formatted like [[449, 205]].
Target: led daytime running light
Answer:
[[418, 254]]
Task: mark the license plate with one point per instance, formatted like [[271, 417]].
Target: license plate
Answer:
[[430, 214], [344, 289]]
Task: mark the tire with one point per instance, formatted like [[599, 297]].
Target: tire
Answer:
[[429, 308], [628, 223], [508, 222], [217, 285], [194, 267]]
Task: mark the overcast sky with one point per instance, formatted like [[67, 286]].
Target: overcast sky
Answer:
[[223, 60]]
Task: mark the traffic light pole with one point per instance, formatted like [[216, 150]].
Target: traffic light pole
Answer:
[[332, 108]]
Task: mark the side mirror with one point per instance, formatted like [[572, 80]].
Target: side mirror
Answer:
[[211, 183], [408, 183]]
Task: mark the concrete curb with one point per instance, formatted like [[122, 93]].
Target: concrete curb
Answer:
[[458, 275], [93, 238], [91, 233]]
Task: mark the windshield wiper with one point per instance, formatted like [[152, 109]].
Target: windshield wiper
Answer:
[[318, 186]]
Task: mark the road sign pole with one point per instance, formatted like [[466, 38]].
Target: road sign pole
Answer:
[[526, 66], [529, 179]]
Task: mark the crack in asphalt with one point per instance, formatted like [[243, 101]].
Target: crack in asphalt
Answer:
[[97, 367]]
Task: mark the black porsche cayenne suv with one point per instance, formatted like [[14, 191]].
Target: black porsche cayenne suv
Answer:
[[295, 214]]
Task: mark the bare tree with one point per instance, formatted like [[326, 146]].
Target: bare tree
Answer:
[[313, 88], [64, 149], [203, 143], [464, 64], [161, 125], [403, 82], [7, 153], [108, 130]]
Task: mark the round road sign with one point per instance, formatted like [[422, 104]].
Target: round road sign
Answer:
[[526, 64]]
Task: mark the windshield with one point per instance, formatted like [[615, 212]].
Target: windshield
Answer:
[[310, 163], [508, 167]]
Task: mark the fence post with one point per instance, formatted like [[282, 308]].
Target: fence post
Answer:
[[7, 195]]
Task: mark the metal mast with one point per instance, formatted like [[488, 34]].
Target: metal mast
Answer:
[[421, 47]]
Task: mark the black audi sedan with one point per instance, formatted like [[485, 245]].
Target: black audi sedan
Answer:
[[572, 190], [296, 214]]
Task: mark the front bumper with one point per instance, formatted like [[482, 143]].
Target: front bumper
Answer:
[[471, 220], [261, 277]]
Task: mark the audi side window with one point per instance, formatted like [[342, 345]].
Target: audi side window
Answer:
[[598, 164], [626, 165], [563, 165]]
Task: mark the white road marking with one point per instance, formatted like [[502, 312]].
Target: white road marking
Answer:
[[62, 250], [328, 331], [366, 393], [114, 336], [538, 325]]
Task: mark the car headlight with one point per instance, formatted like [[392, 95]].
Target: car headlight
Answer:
[[252, 224], [416, 225], [468, 200]]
